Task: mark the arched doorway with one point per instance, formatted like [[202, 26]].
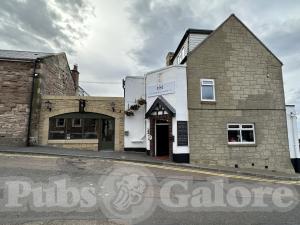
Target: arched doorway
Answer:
[[86, 126]]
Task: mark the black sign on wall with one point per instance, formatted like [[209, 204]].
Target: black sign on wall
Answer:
[[182, 133]]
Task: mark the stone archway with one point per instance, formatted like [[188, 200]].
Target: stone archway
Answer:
[[101, 106]]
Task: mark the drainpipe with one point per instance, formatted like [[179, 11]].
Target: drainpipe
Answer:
[[34, 76]]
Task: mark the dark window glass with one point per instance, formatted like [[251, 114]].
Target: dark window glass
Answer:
[[76, 123], [60, 122], [90, 131], [234, 136], [248, 135]]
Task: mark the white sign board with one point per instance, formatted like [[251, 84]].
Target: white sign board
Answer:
[[161, 89]]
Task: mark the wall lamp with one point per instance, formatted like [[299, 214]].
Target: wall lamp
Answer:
[[113, 106], [48, 105]]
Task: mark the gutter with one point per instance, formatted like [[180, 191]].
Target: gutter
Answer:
[[34, 76]]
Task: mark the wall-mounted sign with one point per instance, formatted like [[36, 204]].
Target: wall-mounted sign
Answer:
[[161, 89], [182, 133]]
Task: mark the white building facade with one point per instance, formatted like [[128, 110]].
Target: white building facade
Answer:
[[160, 126], [291, 119]]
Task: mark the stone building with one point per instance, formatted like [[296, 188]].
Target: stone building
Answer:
[[42, 104], [234, 102], [24, 78]]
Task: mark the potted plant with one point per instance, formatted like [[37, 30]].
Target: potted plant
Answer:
[[134, 107], [141, 101], [129, 112]]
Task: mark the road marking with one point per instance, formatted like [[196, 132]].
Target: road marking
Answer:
[[174, 168], [28, 156], [239, 177]]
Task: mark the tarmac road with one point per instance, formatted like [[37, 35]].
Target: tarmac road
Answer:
[[116, 192]]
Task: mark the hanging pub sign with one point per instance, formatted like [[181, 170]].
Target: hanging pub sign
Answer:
[[81, 105], [182, 133]]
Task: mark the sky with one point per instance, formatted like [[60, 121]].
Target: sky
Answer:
[[112, 39]]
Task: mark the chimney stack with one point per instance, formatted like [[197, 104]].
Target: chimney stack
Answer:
[[75, 76], [169, 58]]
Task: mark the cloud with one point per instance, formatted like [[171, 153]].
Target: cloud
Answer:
[[42, 25], [159, 25]]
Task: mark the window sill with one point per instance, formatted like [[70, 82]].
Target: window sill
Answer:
[[242, 145], [208, 102]]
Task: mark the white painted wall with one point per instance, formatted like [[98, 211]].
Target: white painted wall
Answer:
[[135, 125], [178, 99], [292, 131]]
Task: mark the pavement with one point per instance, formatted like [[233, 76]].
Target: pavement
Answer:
[[141, 157]]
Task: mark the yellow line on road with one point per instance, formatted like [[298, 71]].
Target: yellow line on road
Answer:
[[28, 156], [239, 177], [173, 168]]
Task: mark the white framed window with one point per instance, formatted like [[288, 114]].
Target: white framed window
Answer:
[[241, 133], [207, 89], [60, 122], [76, 122]]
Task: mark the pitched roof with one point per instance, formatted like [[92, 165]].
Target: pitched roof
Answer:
[[189, 31], [219, 27], [22, 55], [160, 100]]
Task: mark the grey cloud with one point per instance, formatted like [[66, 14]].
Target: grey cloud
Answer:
[[160, 25], [34, 24]]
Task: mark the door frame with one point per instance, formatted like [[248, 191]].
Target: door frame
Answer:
[[153, 119]]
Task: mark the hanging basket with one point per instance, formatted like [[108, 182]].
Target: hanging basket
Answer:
[[141, 101], [129, 113], [134, 107]]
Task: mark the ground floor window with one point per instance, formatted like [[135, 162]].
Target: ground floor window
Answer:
[[241, 133], [81, 126]]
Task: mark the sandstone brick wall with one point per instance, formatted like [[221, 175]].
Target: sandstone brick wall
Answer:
[[249, 89], [15, 90], [56, 76], [69, 104], [54, 79]]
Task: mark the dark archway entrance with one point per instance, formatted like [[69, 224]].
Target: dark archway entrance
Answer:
[[84, 126]]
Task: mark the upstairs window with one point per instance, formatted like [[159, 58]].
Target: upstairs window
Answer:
[[241, 133], [207, 90]]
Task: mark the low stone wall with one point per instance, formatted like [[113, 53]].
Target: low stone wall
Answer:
[[83, 144], [109, 106]]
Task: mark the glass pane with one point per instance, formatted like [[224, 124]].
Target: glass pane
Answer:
[[234, 136], [247, 126], [60, 122], [77, 122], [90, 129], [73, 132], [207, 92], [248, 136], [234, 126], [107, 130], [56, 132], [207, 82]]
